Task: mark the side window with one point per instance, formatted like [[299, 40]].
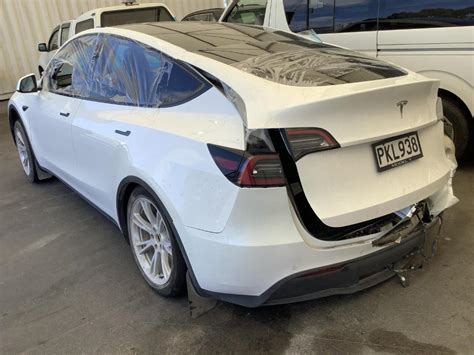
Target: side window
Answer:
[[296, 14], [248, 12], [129, 73], [53, 40], [64, 33], [69, 72], [318, 15], [356, 16], [321, 15], [61, 79], [165, 15], [84, 25], [408, 14]]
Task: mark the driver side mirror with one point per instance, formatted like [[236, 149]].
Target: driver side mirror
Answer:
[[27, 84], [42, 47]]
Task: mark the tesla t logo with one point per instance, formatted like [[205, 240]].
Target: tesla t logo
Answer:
[[402, 105]]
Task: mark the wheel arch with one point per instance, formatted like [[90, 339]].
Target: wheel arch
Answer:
[[460, 103], [13, 116], [124, 191], [455, 87]]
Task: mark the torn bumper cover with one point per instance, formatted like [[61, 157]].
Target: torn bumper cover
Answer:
[[409, 249], [404, 247]]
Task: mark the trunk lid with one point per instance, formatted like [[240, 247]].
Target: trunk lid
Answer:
[[343, 186]]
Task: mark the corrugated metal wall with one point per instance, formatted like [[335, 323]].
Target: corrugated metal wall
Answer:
[[25, 23]]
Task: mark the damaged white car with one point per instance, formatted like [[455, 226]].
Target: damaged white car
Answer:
[[266, 167]]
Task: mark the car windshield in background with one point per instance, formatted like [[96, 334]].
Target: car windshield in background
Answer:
[[210, 15], [248, 12], [124, 17]]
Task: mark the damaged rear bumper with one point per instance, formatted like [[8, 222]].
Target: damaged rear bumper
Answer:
[[404, 254]]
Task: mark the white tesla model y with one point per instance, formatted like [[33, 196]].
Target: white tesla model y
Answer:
[[267, 167]]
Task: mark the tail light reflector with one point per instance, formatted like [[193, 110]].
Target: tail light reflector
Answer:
[[248, 170], [309, 140]]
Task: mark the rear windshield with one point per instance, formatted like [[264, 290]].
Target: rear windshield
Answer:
[[124, 17]]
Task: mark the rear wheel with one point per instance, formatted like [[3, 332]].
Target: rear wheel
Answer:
[[27, 158], [460, 123], [154, 245]]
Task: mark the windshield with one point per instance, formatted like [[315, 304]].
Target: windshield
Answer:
[[140, 15], [248, 12]]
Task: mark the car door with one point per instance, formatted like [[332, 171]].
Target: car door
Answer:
[[56, 105], [108, 119]]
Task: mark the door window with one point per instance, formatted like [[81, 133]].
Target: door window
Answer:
[[310, 14], [296, 14], [130, 73], [248, 12], [321, 15], [355, 16], [408, 14], [69, 72], [53, 40], [64, 33]]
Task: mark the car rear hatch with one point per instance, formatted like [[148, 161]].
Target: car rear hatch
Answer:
[[366, 106], [369, 173]]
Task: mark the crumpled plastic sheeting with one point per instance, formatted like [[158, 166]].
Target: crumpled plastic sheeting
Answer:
[[66, 80], [118, 71], [317, 67]]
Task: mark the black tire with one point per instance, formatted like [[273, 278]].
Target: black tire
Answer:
[[176, 283], [32, 173], [460, 123]]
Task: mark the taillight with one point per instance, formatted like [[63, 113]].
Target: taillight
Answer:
[[303, 141], [261, 170], [258, 166]]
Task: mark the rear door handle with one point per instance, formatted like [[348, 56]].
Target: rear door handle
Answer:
[[123, 133], [65, 114]]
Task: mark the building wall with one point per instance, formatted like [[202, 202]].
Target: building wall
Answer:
[[25, 23]]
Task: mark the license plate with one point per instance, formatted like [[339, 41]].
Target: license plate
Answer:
[[396, 151]]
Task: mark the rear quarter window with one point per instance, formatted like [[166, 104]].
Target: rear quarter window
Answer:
[[130, 73], [84, 25]]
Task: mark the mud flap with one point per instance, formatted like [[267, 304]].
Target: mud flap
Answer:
[[198, 305], [423, 253]]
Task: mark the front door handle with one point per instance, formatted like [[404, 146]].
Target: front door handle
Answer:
[[65, 114]]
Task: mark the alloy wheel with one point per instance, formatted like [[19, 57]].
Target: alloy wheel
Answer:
[[22, 151], [150, 239]]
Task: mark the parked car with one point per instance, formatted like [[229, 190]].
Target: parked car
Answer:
[[58, 37], [269, 167], [210, 15], [130, 12], [434, 38]]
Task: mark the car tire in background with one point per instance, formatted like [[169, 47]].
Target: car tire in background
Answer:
[[154, 246], [460, 123], [25, 152]]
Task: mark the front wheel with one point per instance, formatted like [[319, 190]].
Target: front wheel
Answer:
[[27, 158], [154, 245]]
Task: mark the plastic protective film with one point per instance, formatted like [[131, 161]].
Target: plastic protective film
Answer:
[[317, 67], [118, 70]]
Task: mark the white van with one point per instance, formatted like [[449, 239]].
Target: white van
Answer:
[[128, 13], [432, 37]]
